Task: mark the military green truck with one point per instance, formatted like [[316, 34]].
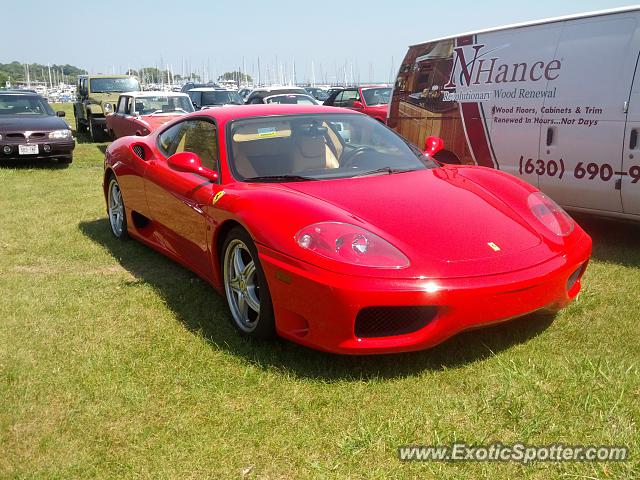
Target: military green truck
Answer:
[[97, 96]]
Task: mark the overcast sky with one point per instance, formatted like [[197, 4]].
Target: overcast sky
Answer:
[[214, 36]]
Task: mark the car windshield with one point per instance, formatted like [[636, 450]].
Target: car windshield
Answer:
[[163, 104], [376, 96], [317, 147], [291, 99], [103, 85], [24, 105], [221, 97], [321, 95]]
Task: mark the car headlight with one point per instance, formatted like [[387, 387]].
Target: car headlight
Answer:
[[107, 107], [350, 244], [550, 214], [59, 134], [0, 137]]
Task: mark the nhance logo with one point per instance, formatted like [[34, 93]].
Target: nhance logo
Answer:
[[484, 71]]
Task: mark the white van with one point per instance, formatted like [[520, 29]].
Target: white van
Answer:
[[555, 102]]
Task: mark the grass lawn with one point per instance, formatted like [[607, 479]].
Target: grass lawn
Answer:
[[117, 363]]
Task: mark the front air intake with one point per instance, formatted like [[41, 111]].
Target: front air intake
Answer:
[[389, 321]]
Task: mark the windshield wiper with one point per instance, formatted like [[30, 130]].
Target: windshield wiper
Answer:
[[279, 178], [388, 170]]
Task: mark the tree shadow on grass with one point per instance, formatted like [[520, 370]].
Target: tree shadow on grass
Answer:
[[614, 240], [205, 312]]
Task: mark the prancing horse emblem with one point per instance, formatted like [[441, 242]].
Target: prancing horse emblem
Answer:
[[493, 246]]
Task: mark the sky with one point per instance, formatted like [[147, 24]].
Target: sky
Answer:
[[363, 40]]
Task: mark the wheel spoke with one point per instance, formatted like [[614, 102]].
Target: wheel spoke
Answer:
[[238, 263], [252, 299], [243, 308], [248, 271]]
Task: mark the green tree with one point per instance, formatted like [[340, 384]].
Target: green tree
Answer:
[[236, 76]]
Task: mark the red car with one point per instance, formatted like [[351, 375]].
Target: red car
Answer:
[[140, 113], [327, 228], [372, 101]]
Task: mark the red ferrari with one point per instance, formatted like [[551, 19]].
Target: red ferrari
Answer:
[[322, 225]]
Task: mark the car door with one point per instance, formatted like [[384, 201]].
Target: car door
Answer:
[[177, 200], [587, 115], [117, 118], [630, 182]]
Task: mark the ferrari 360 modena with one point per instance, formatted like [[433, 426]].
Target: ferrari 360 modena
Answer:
[[323, 226]]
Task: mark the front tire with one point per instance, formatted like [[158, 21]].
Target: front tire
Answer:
[[116, 211], [95, 132], [245, 286]]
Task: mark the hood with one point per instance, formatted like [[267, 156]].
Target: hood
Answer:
[[20, 123], [441, 220], [106, 97], [155, 121]]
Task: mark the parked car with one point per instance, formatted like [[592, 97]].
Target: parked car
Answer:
[[372, 101], [191, 85], [96, 97], [291, 212], [139, 113], [206, 97], [318, 93], [244, 93], [30, 129], [258, 95], [555, 102]]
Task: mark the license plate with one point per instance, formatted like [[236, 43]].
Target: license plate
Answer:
[[28, 149]]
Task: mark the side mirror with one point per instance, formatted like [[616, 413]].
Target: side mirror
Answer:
[[433, 145], [60, 113], [189, 162], [357, 104]]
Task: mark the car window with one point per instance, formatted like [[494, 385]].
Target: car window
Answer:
[[376, 96], [195, 98], [24, 105], [346, 98], [122, 105], [318, 146], [196, 136]]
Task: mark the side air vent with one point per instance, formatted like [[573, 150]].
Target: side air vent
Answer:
[[139, 151]]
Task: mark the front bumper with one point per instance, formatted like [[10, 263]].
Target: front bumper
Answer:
[[46, 149], [318, 308]]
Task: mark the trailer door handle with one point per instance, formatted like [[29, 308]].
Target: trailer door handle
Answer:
[[549, 136], [633, 139]]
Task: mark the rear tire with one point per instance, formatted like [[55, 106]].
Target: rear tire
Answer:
[[246, 287]]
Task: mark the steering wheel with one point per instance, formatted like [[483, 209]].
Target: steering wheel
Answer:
[[354, 154]]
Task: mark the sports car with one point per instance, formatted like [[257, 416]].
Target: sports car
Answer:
[[325, 227]]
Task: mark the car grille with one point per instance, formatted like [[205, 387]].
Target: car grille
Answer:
[[22, 136], [388, 321]]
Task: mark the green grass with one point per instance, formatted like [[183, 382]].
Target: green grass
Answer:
[[117, 363]]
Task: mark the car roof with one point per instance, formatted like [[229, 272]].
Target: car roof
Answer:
[[261, 110], [212, 89], [18, 91], [268, 92], [104, 75], [154, 93]]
